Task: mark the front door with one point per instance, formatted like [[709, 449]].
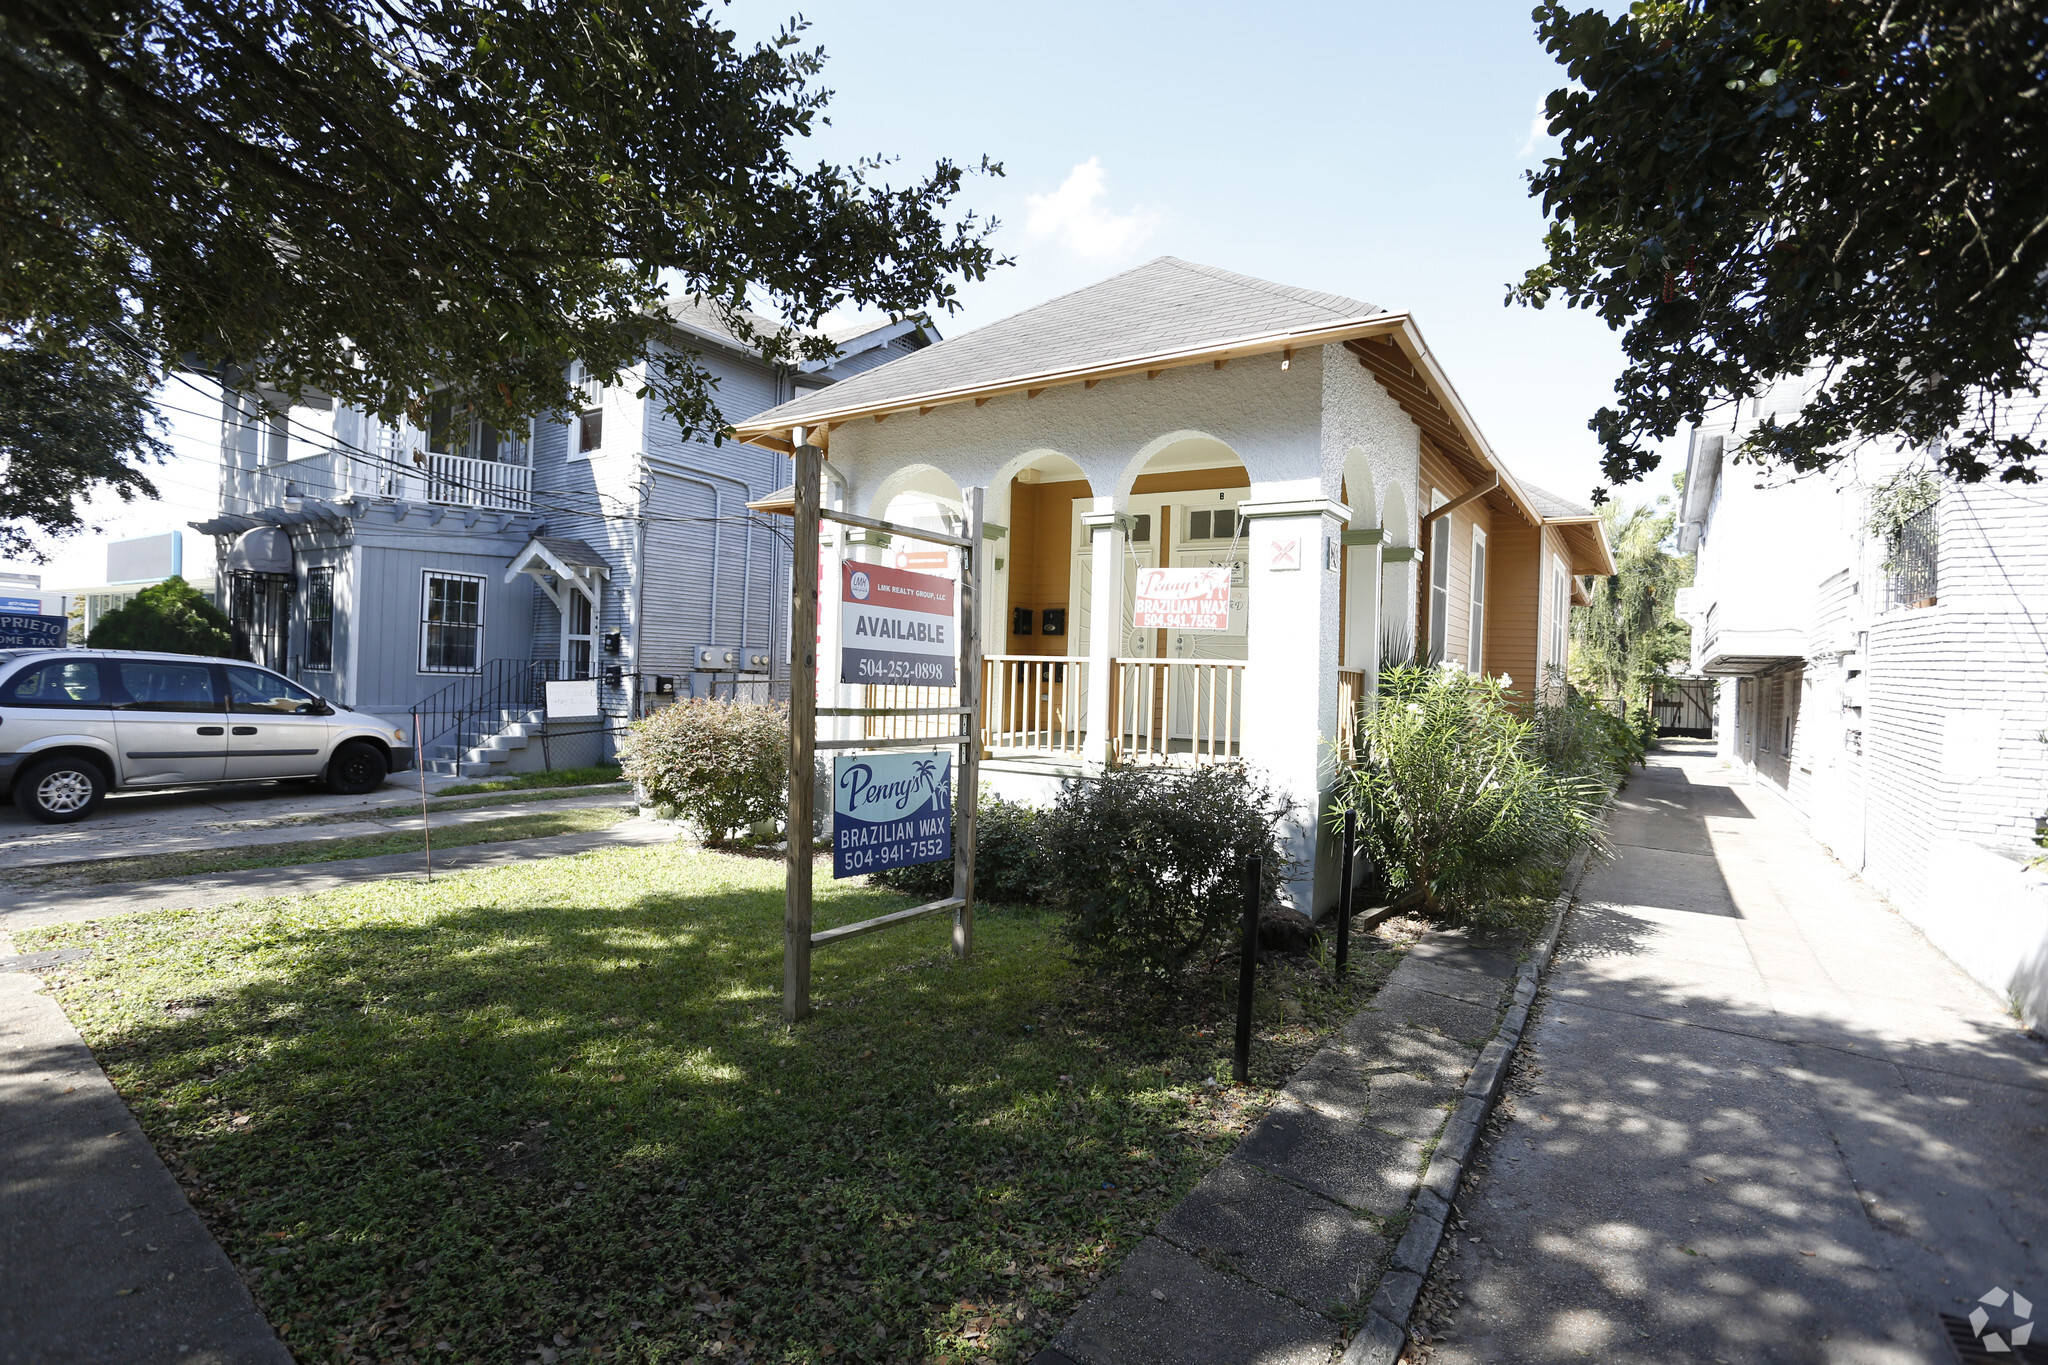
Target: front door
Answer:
[[170, 721], [1203, 698], [275, 728]]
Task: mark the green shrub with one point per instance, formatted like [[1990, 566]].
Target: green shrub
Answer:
[[1578, 738], [1455, 798], [1009, 862], [723, 765], [172, 616], [1146, 865]]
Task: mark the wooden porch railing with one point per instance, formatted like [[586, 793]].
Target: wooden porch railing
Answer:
[[906, 695], [1176, 710], [1033, 704], [1350, 696]]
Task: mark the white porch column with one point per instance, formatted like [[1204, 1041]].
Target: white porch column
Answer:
[[1105, 628], [1362, 600], [1290, 689]]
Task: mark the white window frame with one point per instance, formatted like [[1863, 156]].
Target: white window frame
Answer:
[[1475, 626], [591, 404], [1436, 643], [1560, 613], [427, 577]]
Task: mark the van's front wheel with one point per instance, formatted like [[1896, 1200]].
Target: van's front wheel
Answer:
[[356, 769], [58, 791]]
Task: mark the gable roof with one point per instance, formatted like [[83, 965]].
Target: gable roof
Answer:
[[1164, 307], [1554, 508]]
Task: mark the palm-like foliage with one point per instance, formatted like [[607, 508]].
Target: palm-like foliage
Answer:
[[1454, 797], [1631, 631]]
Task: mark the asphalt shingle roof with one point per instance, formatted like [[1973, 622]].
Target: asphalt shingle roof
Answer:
[[1164, 305], [1550, 505]]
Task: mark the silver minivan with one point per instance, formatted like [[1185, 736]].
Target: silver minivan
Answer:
[[75, 724]]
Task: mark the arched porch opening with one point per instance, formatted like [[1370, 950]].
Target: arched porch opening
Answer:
[[1397, 643], [1035, 674], [1177, 689], [1358, 597]]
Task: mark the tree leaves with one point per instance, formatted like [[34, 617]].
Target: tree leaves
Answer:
[[1752, 191], [367, 200]]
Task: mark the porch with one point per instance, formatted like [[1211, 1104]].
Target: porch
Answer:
[[1162, 711]]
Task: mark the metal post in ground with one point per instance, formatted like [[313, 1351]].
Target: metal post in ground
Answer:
[[419, 760], [1247, 974], [1344, 894]]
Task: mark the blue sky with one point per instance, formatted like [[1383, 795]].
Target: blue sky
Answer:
[[1369, 149]]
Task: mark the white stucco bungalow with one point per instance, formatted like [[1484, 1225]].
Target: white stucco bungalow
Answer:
[[1178, 415]]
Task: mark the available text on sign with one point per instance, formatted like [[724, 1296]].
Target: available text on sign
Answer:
[[895, 627], [891, 810], [1183, 599]]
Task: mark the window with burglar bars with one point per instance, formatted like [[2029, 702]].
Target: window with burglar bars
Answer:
[[1911, 571], [451, 623], [320, 620]]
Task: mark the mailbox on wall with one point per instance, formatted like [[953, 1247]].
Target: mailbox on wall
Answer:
[[1054, 621], [1020, 621]]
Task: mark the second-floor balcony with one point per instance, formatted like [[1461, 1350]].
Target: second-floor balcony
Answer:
[[458, 481], [1745, 635]]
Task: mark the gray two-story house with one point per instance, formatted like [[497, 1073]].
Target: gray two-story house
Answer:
[[453, 568]]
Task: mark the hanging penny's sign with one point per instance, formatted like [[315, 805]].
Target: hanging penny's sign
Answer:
[[1183, 599]]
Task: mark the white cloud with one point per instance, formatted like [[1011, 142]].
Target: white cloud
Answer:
[[1074, 215], [1539, 129]]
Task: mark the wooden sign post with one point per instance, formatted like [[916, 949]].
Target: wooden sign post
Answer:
[[798, 938]]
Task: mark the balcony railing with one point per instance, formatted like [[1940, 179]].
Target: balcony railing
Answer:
[[1176, 710], [458, 481]]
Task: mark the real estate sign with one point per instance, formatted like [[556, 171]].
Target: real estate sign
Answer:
[[891, 810], [1183, 599], [32, 632], [895, 627]]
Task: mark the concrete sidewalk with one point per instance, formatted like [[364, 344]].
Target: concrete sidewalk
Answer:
[[24, 909], [101, 1257], [1758, 1117]]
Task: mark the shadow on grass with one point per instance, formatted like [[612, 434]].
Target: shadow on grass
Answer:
[[553, 1108]]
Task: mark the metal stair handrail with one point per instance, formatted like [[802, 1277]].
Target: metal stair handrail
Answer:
[[468, 708]]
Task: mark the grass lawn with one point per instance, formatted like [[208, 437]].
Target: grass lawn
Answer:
[[550, 1112], [562, 777], [199, 861]]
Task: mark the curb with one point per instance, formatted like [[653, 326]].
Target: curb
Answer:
[[1384, 1334]]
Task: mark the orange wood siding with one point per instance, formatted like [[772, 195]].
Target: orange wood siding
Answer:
[[1514, 594], [1041, 558]]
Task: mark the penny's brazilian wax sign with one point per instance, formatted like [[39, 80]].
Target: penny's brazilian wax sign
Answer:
[[891, 810], [1183, 599], [895, 627]]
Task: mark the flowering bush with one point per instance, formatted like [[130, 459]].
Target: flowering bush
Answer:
[[1454, 798], [723, 765]]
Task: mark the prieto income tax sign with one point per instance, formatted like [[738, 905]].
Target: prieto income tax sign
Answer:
[[895, 627], [1183, 599], [891, 810]]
